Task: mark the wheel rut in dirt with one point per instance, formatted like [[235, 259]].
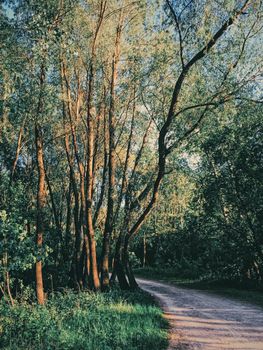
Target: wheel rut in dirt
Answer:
[[199, 320]]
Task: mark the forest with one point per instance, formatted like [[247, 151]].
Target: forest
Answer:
[[130, 138]]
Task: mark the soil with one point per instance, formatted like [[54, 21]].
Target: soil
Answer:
[[199, 320]]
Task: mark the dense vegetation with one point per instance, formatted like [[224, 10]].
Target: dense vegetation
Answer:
[[84, 321], [208, 224], [130, 134]]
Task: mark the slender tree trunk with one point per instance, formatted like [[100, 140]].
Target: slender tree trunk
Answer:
[[105, 169], [77, 224], [9, 289], [66, 246], [18, 149], [120, 256], [144, 250], [102, 190], [112, 165], [87, 276], [59, 238], [132, 282], [119, 268], [90, 157], [90, 228], [41, 193], [6, 278], [91, 114], [41, 198], [76, 270]]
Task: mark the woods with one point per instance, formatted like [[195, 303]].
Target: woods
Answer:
[[129, 127]]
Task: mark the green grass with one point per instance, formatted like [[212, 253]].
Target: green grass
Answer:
[[84, 321], [251, 293]]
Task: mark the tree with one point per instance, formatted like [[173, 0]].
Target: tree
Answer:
[[101, 105]]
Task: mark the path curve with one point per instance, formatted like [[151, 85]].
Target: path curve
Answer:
[[200, 320]]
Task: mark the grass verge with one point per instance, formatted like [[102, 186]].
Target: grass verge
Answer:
[[250, 293], [85, 321]]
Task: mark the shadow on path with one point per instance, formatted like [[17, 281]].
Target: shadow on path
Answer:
[[202, 321]]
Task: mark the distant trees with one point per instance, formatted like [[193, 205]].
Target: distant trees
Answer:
[[101, 95], [209, 224]]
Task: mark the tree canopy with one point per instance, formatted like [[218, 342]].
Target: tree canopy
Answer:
[[129, 129]]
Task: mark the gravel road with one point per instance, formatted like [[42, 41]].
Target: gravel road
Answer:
[[200, 320]]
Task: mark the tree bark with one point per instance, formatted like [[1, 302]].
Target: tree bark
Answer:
[[18, 149], [163, 150], [41, 193], [112, 164], [41, 198], [76, 269], [91, 113]]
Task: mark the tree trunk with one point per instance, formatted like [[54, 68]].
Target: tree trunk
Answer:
[[41, 198], [41, 193], [91, 113], [112, 164], [90, 155], [77, 268], [163, 149], [18, 149], [90, 229], [66, 246], [144, 250]]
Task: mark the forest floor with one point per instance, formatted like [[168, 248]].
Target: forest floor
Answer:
[[203, 320]]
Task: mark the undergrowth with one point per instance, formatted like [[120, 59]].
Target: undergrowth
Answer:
[[85, 321]]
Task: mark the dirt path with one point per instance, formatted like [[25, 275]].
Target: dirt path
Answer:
[[203, 321]]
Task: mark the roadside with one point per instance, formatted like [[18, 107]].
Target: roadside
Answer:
[[68, 321]]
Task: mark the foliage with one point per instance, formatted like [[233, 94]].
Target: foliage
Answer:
[[218, 233], [115, 320], [16, 243], [113, 107]]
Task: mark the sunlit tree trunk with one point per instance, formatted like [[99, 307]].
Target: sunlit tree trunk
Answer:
[[109, 223], [41, 193], [91, 115], [18, 149], [40, 214], [77, 266]]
